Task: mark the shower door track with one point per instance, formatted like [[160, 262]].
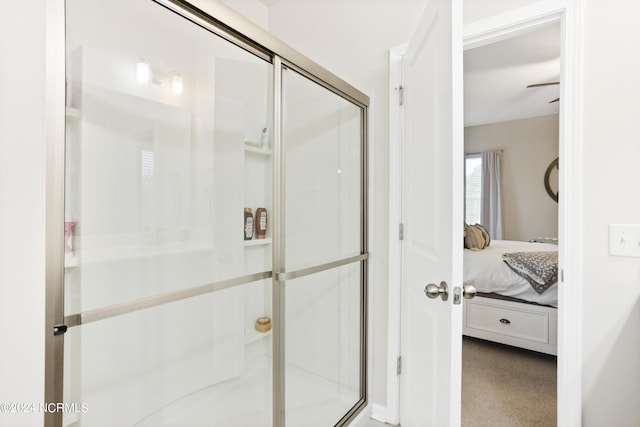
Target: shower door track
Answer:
[[102, 313], [319, 268]]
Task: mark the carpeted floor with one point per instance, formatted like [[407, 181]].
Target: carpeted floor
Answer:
[[506, 386]]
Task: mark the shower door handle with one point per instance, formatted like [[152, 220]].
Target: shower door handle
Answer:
[[59, 330]]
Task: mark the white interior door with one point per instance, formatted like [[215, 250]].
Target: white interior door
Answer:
[[433, 218]]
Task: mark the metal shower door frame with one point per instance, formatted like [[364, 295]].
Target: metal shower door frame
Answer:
[[220, 20]]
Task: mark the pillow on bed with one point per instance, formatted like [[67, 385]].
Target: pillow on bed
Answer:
[[476, 237], [485, 233]]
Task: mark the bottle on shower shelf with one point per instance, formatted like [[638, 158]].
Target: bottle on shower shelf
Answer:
[[68, 236], [261, 223], [248, 224], [264, 137]]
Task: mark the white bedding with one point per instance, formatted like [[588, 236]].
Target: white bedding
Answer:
[[486, 271]]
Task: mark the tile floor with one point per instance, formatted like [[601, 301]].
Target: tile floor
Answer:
[[371, 423]]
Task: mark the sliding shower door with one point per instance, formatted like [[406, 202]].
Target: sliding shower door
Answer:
[[168, 144], [214, 218], [324, 228]]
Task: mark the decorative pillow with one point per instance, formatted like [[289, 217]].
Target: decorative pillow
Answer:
[[485, 233], [476, 237]]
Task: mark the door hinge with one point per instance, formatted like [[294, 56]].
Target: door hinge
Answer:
[[399, 365], [401, 95], [401, 231]]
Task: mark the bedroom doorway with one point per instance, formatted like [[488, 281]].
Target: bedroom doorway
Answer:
[[476, 34], [512, 128]]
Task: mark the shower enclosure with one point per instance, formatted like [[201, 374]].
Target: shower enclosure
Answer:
[[171, 301]]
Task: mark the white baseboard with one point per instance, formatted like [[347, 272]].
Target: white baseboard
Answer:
[[379, 413]]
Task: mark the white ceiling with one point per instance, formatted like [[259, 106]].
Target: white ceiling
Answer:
[[496, 76]]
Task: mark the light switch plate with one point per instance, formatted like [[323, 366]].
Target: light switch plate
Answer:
[[624, 240]]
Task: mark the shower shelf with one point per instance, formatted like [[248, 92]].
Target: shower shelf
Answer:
[[251, 336], [259, 150], [257, 242], [72, 112], [71, 261]]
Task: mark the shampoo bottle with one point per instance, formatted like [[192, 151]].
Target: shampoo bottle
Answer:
[[264, 136], [261, 223], [248, 224]]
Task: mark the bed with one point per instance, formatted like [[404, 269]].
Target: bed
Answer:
[[507, 309]]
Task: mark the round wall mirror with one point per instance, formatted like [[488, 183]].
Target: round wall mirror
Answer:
[[551, 180]]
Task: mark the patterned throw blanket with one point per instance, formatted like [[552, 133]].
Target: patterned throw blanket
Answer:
[[540, 269]]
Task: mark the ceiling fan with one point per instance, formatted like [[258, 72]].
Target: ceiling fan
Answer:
[[546, 84]]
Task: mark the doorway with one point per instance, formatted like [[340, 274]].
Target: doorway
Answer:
[[569, 340], [512, 122]]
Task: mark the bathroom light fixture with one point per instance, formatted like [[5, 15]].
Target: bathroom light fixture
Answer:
[[176, 84], [143, 72]]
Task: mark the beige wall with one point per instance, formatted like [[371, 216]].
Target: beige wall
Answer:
[[611, 193], [253, 10], [528, 145], [22, 243]]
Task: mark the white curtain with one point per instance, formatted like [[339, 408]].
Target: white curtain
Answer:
[[491, 211]]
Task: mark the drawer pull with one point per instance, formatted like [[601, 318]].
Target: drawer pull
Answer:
[[505, 321]]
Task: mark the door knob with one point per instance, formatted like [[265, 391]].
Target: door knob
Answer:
[[468, 291], [435, 291]]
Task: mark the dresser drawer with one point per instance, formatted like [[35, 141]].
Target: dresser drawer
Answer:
[[519, 324]]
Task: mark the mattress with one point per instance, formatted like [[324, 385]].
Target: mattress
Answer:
[[488, 273]]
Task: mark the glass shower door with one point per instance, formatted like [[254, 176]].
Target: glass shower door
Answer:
[[323, 252], [180, 253], [167, 146]]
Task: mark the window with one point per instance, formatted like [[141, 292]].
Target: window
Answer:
[[472, 188], [147, 163]]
